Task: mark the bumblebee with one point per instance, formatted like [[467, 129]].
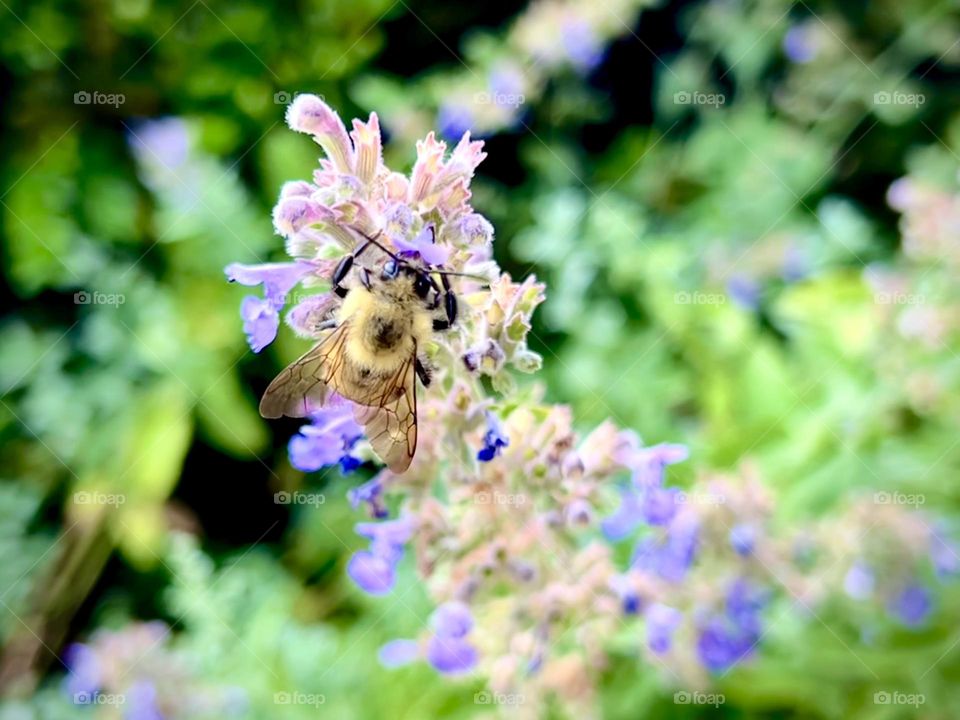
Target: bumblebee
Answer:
[[371, 353]]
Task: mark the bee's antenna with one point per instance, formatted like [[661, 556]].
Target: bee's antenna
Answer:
[[373, 240], [456, 274]]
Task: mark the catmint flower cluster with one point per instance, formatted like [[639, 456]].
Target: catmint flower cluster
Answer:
[[513, 519], [137, 673]]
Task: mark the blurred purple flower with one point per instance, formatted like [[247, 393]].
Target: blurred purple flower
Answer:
[[453, 120], [649, 463], [371, 493], [743, 537], [451, 656], [452, 619], [141, 702], [627, 516], [493, 440], [374, 570], [944, 554], [582, 46], [744, 291], [260, 322], [858, 583], [328, 440], [164, 140], [397, 653], [670, 557], [662, 621], [84, 671], [800, 44], [373, 573], [912, 605], [448, 650], [659, 505]]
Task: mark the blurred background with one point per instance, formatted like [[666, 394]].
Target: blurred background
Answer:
[[747, 212]]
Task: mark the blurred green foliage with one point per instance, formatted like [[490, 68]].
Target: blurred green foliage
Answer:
[[639, 221]]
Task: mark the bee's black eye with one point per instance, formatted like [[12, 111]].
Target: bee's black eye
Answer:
[[421, 286], [390, 269]]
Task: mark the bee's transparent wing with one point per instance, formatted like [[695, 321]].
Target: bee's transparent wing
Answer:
[[306, 382], [390, 417]]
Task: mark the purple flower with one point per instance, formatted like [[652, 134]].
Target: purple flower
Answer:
[[260, 322], [327, 440], [278, 279], [744, 605], [721, 645], [451, 656], [662, 621], [944, 555], [374, 570], [371, 493], [397, 653], [745, 291], [859, 581], [448, 650], [453, 121], [671, 557], [141, 702], [912, 605], [659, 505], [625, 520], [165, 140], [423, 246], [374, 573], [648, 463], [85, 673], [800, 45], [743, 537], [452, 620], [493, 440], [724, 640], [582, 46]]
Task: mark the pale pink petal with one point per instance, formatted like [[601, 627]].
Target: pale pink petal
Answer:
[[309, 114]]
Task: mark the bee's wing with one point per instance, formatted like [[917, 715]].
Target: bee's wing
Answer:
[[389, 417], [306, 381]]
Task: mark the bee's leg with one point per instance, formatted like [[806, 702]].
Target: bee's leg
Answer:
[[365, 278], [449, 305], [423, 372], [340, 273], [343, 267]]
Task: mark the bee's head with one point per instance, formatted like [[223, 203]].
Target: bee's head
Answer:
[[393, 270]]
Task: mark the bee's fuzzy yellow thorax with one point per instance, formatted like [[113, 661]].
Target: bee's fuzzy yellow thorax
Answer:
[[387, 324]]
